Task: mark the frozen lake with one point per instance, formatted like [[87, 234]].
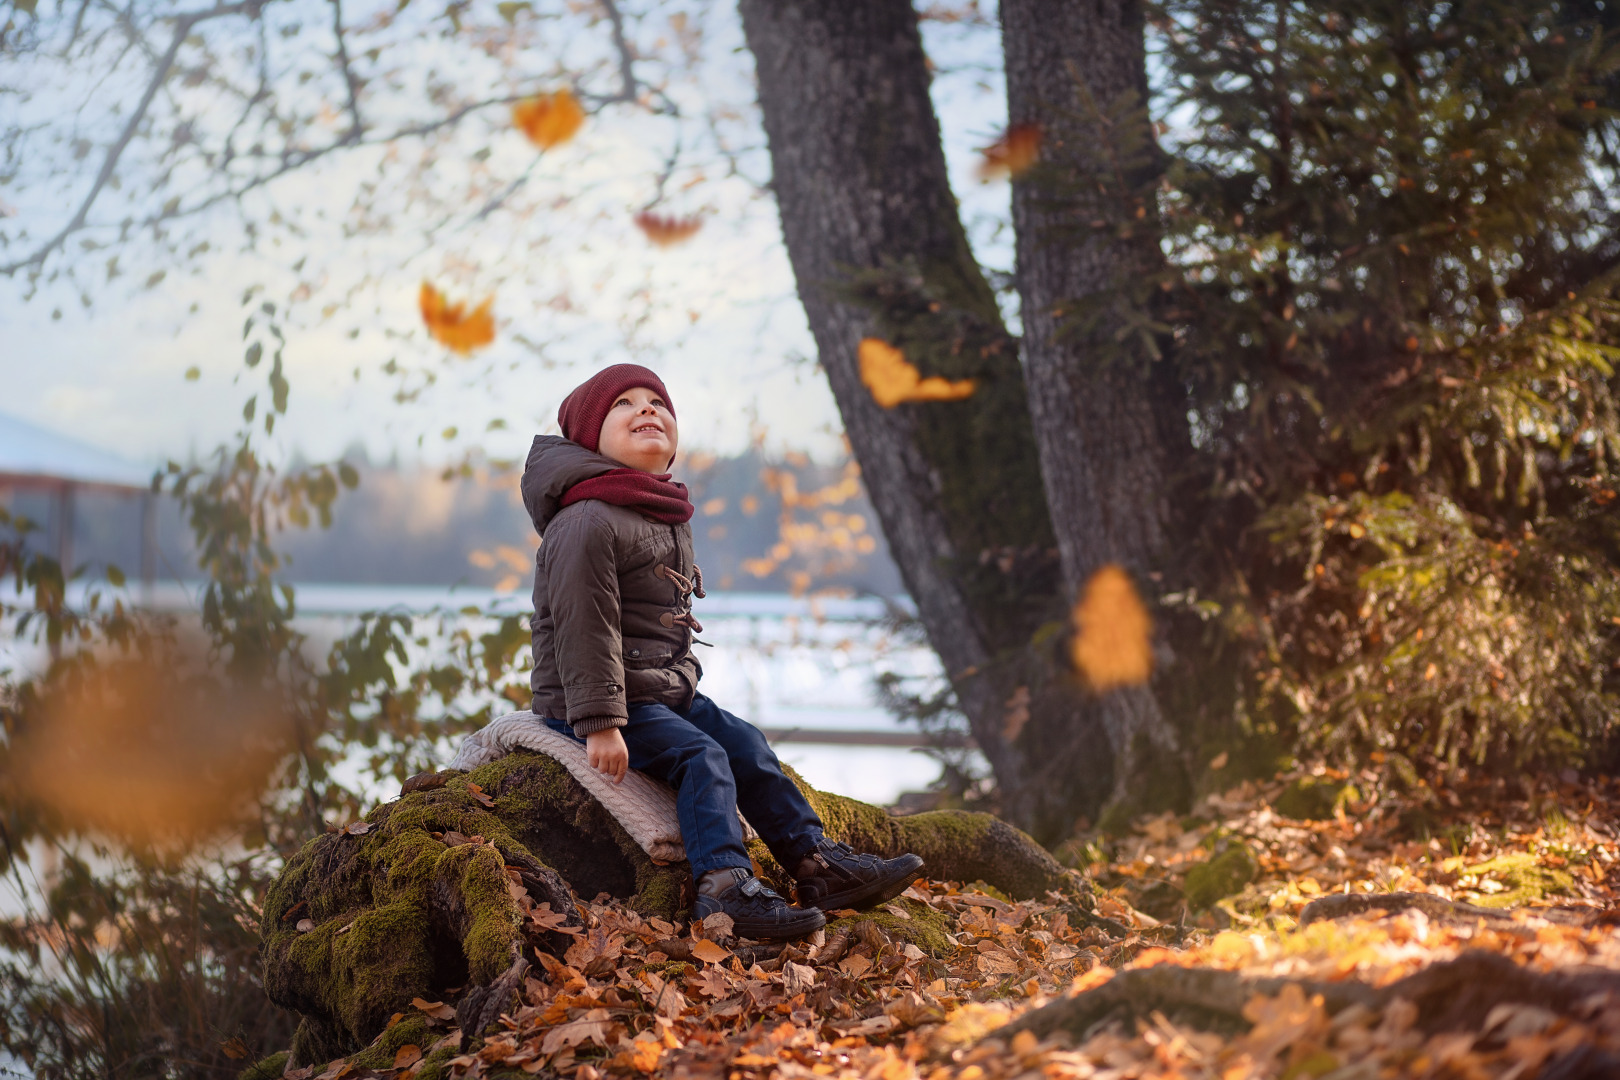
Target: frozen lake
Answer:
[[801, 668]]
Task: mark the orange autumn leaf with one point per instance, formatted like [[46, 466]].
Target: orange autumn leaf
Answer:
[[1111, 644], [644, 1053], [709, 952], [893, 379], [667, 231], [1012, 155], [453, 325], [549, 119]]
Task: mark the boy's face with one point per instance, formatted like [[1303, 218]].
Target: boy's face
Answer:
[[639, 431]]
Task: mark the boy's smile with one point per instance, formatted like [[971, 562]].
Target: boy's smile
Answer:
[[639, 431]]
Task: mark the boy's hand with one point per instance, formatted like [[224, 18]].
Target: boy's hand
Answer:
[[608, 754]]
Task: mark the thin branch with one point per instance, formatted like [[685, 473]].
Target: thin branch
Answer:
[[355, 136], [627, 71], [662, 179], [497, 201], [353, 83], [160, 73], [78, 24]]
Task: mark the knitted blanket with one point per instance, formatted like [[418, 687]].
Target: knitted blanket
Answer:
[[644, 806]]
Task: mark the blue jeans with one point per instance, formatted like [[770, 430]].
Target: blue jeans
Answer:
[[718, 763]]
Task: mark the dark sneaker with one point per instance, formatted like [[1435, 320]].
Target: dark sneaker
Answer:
[[844, 879], [758, 912]]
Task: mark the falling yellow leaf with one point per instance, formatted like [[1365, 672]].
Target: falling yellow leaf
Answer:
[[1012, 155], [892, 378], [1111, 643], [453, 325], [1017, 714], [667, 231], [133, 747], [549, 119]]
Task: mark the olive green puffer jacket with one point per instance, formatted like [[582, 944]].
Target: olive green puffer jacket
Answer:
[[612, 621]]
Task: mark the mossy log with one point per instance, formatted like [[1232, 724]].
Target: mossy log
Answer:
[[427, 899]]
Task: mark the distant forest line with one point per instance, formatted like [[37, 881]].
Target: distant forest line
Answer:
[[763, 523]]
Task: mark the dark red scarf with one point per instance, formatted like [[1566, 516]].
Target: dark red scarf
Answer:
[[648, 493]]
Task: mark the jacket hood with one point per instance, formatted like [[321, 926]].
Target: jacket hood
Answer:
[[554, 466]]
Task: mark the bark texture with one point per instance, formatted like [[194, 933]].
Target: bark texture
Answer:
[[878, 250], [1077, 68]]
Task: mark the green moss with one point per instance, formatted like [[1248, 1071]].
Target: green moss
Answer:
[[1116, 819], [1224, 875], [662, 890], [412, 1030], [1313, 799], [376, 942], [669, 969], [436, 1066], [926, 929], [319, 1039], [1526, 879], [492, 939], [954, 843], [990, 890], [270, 1068]]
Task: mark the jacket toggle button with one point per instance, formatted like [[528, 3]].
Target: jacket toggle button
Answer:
[[667, 619]]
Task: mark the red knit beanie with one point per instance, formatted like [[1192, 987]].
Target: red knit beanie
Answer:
[[581, 414]]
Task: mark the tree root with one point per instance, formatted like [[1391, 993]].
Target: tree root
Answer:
[[483, 1005], [1196, 997], [1346, 905], [955, 845], [1453, 995]]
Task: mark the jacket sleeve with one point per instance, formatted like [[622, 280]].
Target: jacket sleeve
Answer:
[[583, 581]]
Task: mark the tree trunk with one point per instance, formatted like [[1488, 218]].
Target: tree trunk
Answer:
[[878, 250], [1083, 222]]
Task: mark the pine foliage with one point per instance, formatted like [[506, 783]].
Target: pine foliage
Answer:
[[1392, 286]]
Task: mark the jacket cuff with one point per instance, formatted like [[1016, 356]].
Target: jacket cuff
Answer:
[[592, 700], [592, 724]]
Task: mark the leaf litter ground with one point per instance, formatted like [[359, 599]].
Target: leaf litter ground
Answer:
[[1519, 878]]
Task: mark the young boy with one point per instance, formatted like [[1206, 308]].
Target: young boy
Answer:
[[613, 666]]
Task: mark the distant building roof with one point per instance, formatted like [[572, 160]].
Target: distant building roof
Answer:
[[33, 456]]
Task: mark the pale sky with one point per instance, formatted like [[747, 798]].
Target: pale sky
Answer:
[[718, 316]]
